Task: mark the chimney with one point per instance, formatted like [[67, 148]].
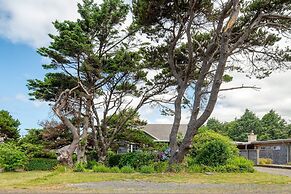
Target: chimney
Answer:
[[252, 137]]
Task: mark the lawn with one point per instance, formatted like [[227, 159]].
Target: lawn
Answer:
[[53, 181]]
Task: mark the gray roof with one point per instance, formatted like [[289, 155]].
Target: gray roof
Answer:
[[161, 132], [275, 141]]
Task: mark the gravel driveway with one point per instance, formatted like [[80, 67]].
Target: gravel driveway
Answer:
[[277, 171], [151, 187]]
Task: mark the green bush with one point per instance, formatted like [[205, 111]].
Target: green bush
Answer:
[[161, 167], [115, 169], [80, 167], [212, 149], [213, 153], [91, 163], [127, 169], [237, 164], [41, 164], [114, 159], [136, 159], [147, 169], [101, 168], [11, 158], [243, 164], [206, 136]]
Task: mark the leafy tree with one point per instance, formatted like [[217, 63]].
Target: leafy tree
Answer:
[[215, 125], [247, 123], [273, 127], [202, 40], [99, 74], [8, 126]]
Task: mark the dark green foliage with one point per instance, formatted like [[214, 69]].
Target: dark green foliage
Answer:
[[235, 165], [273, 126], [136, 159], [204, 137], [52, 85], [91, 163], [8, 126], [270, 126], [215, 125], [41, 164], [114, 159], [212, 149], [213, 153], [33, 150], [244, 125], [11, 158]]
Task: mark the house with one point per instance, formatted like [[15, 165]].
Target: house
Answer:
[[159, 132], [278, 150]]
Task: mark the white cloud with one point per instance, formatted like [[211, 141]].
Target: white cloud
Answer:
[[30, 21], [274, 94], [36, 103]]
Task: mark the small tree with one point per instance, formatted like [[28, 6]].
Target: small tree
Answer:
[[8, 126]]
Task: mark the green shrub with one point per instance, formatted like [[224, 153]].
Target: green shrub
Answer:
[[91, 163], [127, 169], [80, 167], [115, 169], [195, 168], [212, 149], [161, 167], [207, 136], [147, 169], [101, 168], [213, 153], [11, 158], [243, 164], [136, 159], [114, 159], [236, 164], [41, 164], [264, 161]]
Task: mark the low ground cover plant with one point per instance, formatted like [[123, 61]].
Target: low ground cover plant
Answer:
[[41, 164]]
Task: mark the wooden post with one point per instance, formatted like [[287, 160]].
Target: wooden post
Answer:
[[258, 155]]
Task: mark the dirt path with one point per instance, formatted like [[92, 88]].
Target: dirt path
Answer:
[[277, 171]]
